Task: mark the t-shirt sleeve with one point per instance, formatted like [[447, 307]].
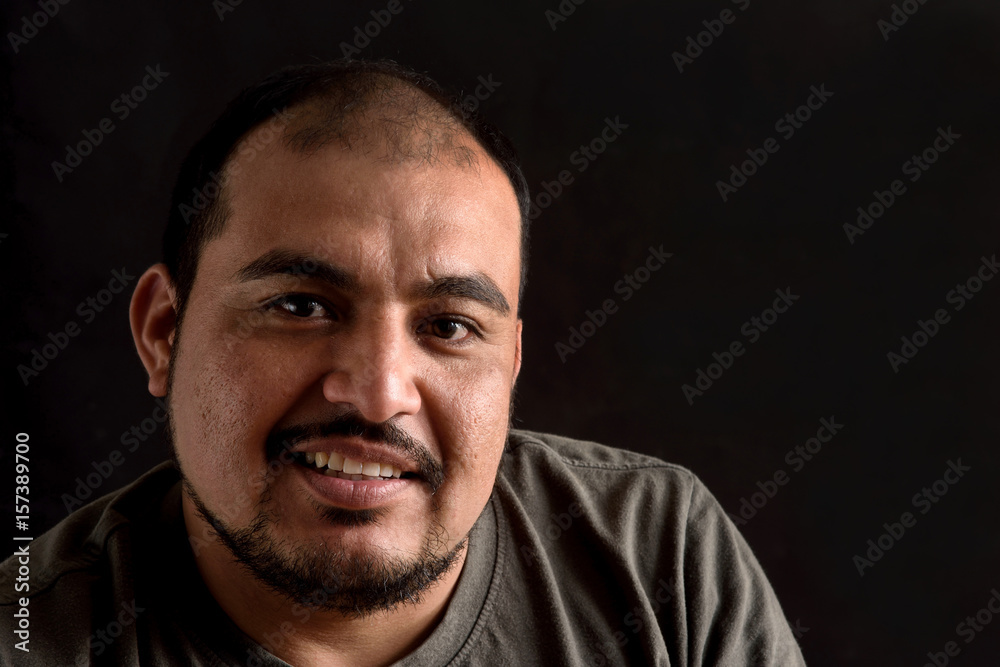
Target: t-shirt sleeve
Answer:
[[733, 615]]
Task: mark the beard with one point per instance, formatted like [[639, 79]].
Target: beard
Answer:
[[315, 575], [328, 579]]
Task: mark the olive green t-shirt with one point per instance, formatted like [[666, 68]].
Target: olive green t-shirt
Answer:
[[584, 555]]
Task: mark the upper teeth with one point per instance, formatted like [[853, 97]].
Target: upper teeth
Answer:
[[334, 463]]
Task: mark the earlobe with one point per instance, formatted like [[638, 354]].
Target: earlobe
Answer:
[[153, 317]]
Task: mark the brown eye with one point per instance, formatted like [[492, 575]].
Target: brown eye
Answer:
[[448, 329]]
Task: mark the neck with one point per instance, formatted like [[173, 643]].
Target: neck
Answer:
[[305, 636]]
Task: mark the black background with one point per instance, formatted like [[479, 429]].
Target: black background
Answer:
[[656, 184]]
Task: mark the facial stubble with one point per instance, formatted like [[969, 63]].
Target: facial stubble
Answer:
[[318, 575]]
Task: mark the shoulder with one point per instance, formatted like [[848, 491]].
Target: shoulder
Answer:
[[584, 518], [554, 463], [656, 517], [628, 495], [586, 493], [584, 454], [77, 577], [76, 550]]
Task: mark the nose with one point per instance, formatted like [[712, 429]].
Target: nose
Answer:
[[374, 370]]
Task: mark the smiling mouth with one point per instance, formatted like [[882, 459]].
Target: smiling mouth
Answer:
[[333, 464]]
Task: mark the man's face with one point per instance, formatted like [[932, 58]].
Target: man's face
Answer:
[[345, 284]]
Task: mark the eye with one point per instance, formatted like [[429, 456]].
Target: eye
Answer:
[[449, 329], [299, 305]]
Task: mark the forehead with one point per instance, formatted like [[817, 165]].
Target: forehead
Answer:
[[385, 218]]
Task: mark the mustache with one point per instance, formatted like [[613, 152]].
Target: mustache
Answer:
[[351, 423]]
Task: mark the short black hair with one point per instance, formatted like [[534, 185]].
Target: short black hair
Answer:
[[343, 89]]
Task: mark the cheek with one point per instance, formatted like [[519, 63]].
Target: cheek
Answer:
[[473, 418], [229, 394]]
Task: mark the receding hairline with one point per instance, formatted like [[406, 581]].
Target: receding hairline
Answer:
[[418, 118], [400, 119], [380, 113], [382, 110]]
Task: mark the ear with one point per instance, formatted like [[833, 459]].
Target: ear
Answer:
[[517, 352], [153, 316]]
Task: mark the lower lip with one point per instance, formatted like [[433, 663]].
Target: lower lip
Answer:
[[363, 494]]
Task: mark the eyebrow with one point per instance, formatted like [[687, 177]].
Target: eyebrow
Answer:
[[284, 262], [476, 286]]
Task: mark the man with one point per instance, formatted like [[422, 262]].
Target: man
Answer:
[[336, 330]]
